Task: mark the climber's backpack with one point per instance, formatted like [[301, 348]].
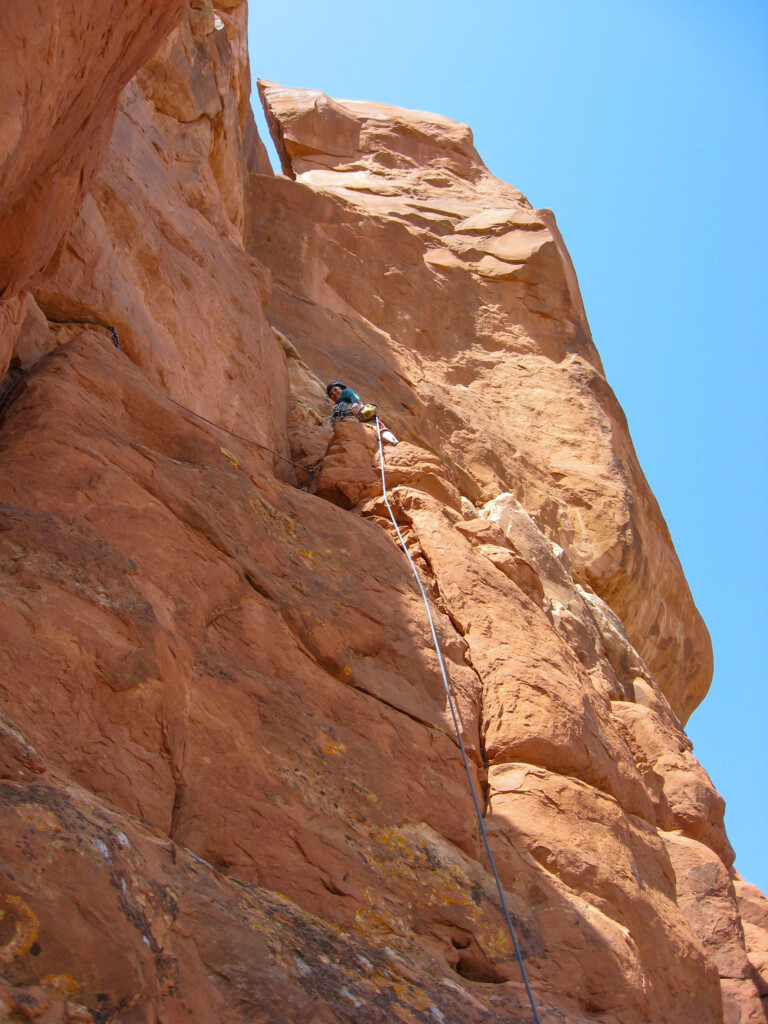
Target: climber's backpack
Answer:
[[367, 412]]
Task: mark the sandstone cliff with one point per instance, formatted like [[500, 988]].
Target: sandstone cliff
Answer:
[[230, 785]]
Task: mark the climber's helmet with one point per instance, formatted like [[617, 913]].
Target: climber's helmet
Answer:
[[334, 390]]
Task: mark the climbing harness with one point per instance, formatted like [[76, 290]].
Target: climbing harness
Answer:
[[454, 716]]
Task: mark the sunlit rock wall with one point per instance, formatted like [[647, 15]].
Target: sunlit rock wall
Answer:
[[230, 784]]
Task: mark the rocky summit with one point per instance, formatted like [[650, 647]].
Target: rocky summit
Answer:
[[231, 781]]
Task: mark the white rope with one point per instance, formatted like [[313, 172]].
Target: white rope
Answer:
[[454, 716]]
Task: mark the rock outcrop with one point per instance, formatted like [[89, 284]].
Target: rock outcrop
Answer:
[[398, 257], [62, 71], [230, 783]]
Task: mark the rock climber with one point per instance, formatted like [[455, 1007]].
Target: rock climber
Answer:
[[347, 403]]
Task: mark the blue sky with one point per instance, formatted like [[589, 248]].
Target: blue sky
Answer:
[[644, 126]]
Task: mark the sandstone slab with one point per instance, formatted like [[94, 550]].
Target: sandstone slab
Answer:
[[493, 367], [230, 783]]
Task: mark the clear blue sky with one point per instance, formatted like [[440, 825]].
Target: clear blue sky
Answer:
[[644, 126]]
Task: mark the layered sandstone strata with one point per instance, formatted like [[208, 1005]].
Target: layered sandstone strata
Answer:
[[399, 259], [230, 785]]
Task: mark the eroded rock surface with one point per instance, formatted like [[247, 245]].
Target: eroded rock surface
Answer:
[[230, 784], [399, 260], [62, 69]]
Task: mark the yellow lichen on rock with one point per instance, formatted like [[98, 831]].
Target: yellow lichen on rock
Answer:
[[15, 913]]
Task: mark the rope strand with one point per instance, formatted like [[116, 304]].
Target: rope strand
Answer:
[[12, 393], [309, 470], [454, 716]]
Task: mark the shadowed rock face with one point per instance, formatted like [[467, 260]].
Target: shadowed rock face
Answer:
[[229, 781]]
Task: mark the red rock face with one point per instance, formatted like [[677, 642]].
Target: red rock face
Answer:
[[230, 785], [398, 257], [62, 69]]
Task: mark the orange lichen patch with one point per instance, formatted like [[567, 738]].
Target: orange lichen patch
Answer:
[[228, 455], [407, 996], [310, 555], [404, 991], [64, 984], [25, 931], [39, 818], [368, 921], [271, 517], [415, 860], [330, 746]]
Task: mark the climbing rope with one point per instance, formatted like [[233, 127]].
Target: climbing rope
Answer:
[[309, 470], [454, 716], [12, 393]]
